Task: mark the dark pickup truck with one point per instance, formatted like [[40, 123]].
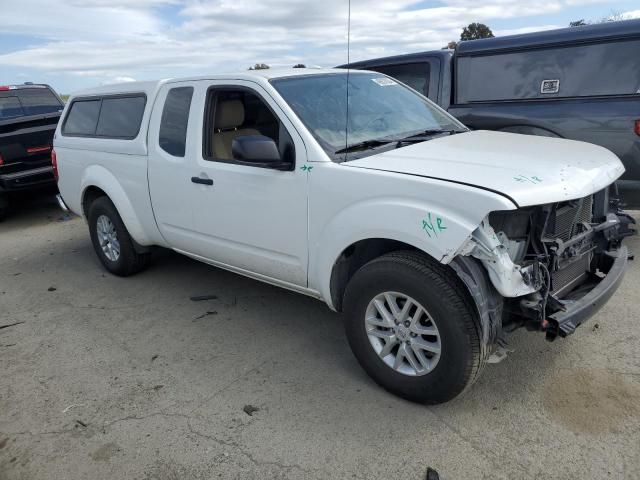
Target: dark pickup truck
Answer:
[[580, 83], [29, 114]]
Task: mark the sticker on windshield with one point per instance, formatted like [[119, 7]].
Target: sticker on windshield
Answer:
[[384, 81]]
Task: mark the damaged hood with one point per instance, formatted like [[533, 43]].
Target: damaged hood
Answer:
[[529, 170]]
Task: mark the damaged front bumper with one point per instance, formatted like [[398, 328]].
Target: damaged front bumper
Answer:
[[552, 267], [576, 312]]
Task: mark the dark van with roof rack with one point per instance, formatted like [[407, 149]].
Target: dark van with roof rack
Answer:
[[580, 83], [29, 114]]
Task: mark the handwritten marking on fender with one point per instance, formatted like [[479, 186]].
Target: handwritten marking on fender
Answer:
[[432, 229]]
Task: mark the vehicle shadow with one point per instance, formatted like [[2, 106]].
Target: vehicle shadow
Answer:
[[31, 208]]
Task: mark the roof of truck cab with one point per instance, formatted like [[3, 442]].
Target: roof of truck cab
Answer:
[[585, 34], [403, 58], [150, 87]]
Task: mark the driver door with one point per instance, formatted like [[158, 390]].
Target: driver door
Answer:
[[250, 218]]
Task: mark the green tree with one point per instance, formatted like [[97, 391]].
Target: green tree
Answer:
[[474, 31], [614, 17], [260, 66]]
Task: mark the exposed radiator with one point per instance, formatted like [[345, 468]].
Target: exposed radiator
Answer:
[[564, 224], [571, 275], [568, 216]]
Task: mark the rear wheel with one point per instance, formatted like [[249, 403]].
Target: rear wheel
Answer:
[[111, 240], [413, 327]]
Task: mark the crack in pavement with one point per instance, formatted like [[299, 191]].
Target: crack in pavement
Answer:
[[479, 448], [228, 443]]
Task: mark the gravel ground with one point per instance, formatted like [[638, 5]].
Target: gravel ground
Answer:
[[111, 378]]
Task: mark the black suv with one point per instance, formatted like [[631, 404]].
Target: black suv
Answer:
[[29, 114]]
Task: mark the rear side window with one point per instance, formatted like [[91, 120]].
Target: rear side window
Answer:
[[416, 75], [107, 117], [120, 117], [174, 121], [82, 118]]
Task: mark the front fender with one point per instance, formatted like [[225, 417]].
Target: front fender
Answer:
[[100, 177], [429, 227]]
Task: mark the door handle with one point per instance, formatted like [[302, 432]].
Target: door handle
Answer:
[[202, 181]]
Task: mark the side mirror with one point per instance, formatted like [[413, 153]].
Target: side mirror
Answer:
[[256, 149]]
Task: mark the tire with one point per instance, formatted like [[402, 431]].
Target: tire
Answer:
[[450, 321], [120, 257]]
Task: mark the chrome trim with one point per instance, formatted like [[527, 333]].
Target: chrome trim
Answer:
[[26, 173], [61, 203]]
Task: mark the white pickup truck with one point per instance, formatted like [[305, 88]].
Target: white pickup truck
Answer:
[[433, 240]]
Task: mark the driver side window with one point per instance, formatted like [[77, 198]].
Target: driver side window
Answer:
[[233, 113]]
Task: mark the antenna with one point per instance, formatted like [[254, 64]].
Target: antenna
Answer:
[[346, 129]]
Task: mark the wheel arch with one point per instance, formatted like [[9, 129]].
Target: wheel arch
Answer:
[[98, 182], [355, 256]]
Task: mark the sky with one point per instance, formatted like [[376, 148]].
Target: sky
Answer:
[[74, 44]]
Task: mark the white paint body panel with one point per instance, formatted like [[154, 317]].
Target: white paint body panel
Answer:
[[531, 170], [289, 228]]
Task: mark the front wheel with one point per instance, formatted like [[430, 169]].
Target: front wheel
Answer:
[[111, 240], [413, 327]]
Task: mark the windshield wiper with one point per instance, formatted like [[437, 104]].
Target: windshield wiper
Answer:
[[366, 145], [416, 137], [431, 131]]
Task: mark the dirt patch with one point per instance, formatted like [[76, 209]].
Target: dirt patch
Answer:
[[105, 452], [592, 401]]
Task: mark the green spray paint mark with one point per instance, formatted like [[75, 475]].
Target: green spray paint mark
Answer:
[[429, 227], [524, 179], [306, 168]]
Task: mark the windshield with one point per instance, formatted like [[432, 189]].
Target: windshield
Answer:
[[380, 112]]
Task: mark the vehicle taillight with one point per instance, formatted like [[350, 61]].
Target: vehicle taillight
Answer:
[[637, 129], [1, 161], [54, 163], [4, 88], [32, 150]]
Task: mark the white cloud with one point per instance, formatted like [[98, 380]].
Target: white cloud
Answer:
[[102, 40], [121, 80], [64, 20]]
